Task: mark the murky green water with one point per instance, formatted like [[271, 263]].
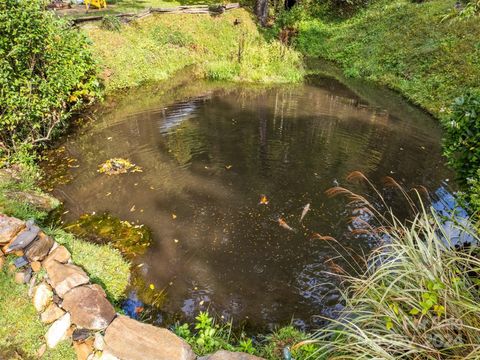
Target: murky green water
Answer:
[[208, 153]]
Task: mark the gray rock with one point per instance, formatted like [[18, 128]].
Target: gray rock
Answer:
[[64, 277], [89, 307], [39, 248], [126, 338], [20, 262]]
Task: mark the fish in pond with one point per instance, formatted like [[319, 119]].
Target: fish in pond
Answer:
[[334, 267], [284, 225], [263, 200], [305, 210]]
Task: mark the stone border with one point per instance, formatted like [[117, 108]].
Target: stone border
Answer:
[[78, 310]]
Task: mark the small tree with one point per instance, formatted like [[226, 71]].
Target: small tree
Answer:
[[46, 72]]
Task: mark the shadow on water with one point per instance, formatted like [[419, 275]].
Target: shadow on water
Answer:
[[208, 151]]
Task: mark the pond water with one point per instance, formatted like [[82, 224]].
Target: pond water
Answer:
[[209, 151]]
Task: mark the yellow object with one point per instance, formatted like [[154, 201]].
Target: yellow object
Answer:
[[99, 4]]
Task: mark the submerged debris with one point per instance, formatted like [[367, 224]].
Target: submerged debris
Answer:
[[117, 166]]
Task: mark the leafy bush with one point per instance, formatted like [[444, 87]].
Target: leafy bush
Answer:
[[462, 142], [46, 73]]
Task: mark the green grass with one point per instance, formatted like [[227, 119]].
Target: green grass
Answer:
[[21, 331], [417, 299], [104, 264], [405, 46], [157, 47]]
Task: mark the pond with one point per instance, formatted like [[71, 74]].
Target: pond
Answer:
[[208, 152]]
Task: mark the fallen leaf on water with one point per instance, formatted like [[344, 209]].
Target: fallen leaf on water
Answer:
[[108, 194], [109, 138], [152, 287], [202, 302], [140, 265], [132, 209], [175, 240], [174, 216], [228, 167]]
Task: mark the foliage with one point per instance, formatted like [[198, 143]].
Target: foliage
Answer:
[[46, 73], [462, 142], [418, 298], [21, 331], [289, 338], [155, 48], [111, 23], [467, 10], [104, 265], [207, 336]]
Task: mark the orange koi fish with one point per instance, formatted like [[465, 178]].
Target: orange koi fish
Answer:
[[284, 225]]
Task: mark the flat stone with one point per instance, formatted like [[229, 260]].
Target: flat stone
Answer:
[[58, 331], [230, 355], [51, 314], [99, 342], [64, 277], [9, 228], [42, 296], [38, 249], [83, 350], [24, 238], [20, 277], [89, 307], [126, 338], [36, 266], [59, 253]]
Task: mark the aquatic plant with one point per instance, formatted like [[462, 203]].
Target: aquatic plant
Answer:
[[418, 297], [132, 240]]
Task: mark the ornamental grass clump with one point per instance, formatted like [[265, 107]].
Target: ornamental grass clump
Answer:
[[419, 295]]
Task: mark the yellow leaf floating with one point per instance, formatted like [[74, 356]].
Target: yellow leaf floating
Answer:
[[174, 216], [152, 287], [117, 166]]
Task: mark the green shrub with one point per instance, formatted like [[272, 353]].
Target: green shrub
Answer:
[[462, 143], [46, 73]]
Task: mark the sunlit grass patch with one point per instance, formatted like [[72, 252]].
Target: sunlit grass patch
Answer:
[[155, 48], [21, 331]]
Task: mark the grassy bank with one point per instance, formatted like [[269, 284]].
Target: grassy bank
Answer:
[[403, 45], [155, 48], [21, 331]]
